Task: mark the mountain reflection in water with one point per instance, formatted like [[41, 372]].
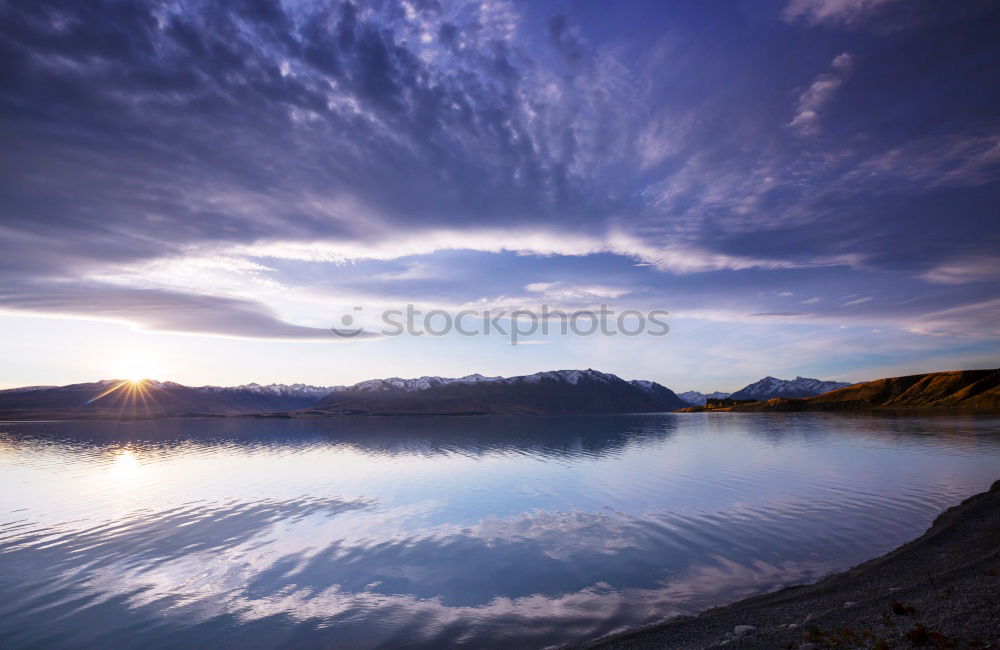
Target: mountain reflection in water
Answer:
[[436, 531]]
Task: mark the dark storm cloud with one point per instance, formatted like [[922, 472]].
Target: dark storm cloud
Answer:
[[135, 130]]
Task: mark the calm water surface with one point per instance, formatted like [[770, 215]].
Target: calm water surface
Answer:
[[438, 532]]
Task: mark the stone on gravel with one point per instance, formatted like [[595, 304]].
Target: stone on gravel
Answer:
[[743, 630]]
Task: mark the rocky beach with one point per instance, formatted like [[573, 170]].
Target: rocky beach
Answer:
[[941, 590]]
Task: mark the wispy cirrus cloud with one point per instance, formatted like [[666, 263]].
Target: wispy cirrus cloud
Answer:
[[820, 92], [565, 291], [162, 311], [220, 161], [837, 12], [676, 258], [968, 321], [963, 271], [953, 160]]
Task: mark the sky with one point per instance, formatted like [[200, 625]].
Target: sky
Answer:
[[198, 191]]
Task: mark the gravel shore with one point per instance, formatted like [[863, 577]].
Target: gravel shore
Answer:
[[942, 590]]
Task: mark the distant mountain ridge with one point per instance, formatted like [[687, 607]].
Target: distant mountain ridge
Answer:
[[767, 388], [771, 387], [272, 389], [296, 390], [417, 383], [111, 398], [550, 392], [560, 391], [694, 398]]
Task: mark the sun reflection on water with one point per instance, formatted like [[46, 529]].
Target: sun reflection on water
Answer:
[[125, 465]]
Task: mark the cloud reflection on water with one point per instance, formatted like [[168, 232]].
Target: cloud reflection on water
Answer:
[[435, 532]]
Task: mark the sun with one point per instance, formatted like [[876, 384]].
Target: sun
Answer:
[[132, 375], [136, 367]]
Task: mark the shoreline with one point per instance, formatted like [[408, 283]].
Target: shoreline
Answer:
[[939, 590]]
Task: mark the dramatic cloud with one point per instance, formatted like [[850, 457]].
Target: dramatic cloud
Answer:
[[677, 258], [229, 168]]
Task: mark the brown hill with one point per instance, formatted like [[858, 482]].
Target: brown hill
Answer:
[[964, 389]]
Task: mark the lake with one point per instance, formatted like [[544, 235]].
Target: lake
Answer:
[[478, 532]]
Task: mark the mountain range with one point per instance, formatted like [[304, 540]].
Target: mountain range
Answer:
[[561, 391], [768, 388], [771, 387], [551, 392], [694, 398], [149, 398]]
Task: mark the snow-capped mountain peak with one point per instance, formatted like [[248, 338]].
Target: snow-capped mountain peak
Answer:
[[288, 389], [696, 398], [417, 383], [284, 390], [572, 377], [553, 391], [771, 387], [26, 389]]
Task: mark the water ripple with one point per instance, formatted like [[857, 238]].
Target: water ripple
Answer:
[[443, 532]]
